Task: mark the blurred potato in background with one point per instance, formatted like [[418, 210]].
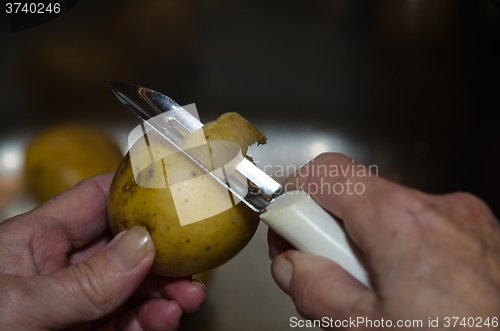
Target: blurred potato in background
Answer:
[[62, 156]]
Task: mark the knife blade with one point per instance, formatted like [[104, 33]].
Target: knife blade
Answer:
[[293, 215], [148, 104]]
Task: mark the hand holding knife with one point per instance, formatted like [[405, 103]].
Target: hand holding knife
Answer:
[[293, 215]]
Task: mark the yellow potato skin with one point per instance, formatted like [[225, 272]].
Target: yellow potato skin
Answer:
[[61, 156], [181, 250]]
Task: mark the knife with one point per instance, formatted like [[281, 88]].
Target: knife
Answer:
[[294, 215]]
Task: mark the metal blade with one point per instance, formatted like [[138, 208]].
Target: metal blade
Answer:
[[147, 104]]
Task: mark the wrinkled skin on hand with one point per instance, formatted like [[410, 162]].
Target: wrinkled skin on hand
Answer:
[[58, 270], [427, 255]]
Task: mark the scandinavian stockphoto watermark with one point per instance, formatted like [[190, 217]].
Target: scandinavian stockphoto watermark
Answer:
[[28, 14], [358, 322], [382, 323], [333, 178]]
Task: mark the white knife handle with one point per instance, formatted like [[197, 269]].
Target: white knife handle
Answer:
[[296, 217]]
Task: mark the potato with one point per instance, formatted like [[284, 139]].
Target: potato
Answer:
[[61, 156], [172, 197]]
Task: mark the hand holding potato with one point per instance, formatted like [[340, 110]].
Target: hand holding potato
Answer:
[[59, 269], [429, 256]]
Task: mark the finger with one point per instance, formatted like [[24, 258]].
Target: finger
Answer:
[[189, 293], [157, 315], [277, 244], [377, 213], [80, 211], [86, 251], [95, 287], [321, 288], [153, 315]]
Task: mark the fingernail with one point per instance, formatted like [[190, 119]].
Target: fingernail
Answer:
[[178, 303], [197, 281], [282, 270], [131, 248]]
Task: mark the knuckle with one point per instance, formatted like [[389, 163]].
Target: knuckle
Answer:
[[414, 202], [89, 181], [16, 295], [419, 208], [331, 158], [84, 182], [91, 286], [13, 292], [469, 206], [466, 198]]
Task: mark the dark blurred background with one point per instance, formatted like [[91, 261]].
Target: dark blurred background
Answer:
[[409, 85], [416, 79]]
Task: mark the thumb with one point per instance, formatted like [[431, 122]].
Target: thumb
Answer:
[[320, 287], [97, 286]]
